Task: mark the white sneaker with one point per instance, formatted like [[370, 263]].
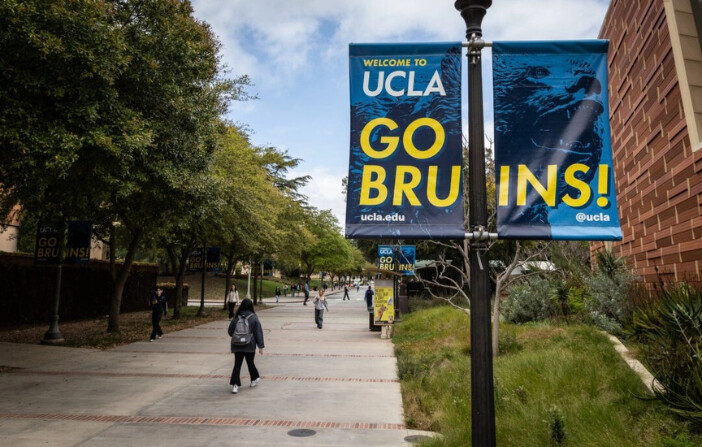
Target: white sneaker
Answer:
[[255, 382], [235, 389]]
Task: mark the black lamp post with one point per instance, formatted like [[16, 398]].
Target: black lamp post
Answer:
[[53, 336], [482, 387]]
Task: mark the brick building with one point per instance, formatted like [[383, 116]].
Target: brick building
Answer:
[[655, 88]]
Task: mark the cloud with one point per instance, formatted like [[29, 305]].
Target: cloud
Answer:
[[296, 53], [274, 39], [325, 191]]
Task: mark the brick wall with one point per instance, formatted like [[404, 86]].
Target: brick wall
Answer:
[[658, 176]]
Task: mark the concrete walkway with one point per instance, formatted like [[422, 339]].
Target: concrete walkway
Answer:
[[339, 385]]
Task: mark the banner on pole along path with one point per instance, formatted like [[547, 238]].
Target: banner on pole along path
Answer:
[[405, 163], [553, 157], [80, 233]]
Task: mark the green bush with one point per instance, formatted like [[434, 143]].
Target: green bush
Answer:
[[671, 329], [559, 298], [576, 299], [528, 301], [608, 292]]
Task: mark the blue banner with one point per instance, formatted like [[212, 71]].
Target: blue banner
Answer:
[[405, 163], [214, 257], [47, 248], [553, 157], [406, 258], [80, 233], [196, 260], [386, 257]]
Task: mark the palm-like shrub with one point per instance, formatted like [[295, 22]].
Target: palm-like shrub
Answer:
[[671, 329]]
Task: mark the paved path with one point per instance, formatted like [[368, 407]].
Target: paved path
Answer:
[[340, 382]]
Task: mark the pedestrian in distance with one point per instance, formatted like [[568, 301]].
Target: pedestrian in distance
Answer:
[[159, 308], [285, 290], [277, 294], [247, 333], [346, 293], [307, 293], [369, 299], [320, 303], [232, 300]]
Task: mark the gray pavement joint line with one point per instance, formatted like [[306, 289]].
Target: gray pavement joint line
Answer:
[[184, 420], [180, 338], [197, 376], [284, 354]]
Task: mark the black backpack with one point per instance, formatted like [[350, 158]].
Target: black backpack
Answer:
[[242, 331]]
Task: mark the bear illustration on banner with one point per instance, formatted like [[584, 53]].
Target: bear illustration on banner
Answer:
[[552, 145]]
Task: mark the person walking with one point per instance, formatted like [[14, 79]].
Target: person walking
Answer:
[[285, 290], [346, 293], [320, 303], [247, 351], [159, 308], [277, 294], [232, 300], [307, 293], [369, 299]]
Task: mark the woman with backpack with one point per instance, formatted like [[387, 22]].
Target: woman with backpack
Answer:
[[247, 333]]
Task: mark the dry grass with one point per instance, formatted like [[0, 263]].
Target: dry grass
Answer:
[[93, 333]]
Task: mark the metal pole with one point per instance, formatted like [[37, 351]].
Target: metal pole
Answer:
[[202, 285], [248, 282], [53, 335], [482, 387]]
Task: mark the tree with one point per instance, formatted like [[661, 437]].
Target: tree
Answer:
[[113, 109], [325, 244], [451, 278], [251, 201]]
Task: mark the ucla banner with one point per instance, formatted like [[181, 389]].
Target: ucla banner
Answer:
[[553, 156], [405, 161], [386, 257], [80, 233], [47, 248], [214, 258], [406, 259]]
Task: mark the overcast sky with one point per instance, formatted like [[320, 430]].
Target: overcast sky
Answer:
[[296, 54]]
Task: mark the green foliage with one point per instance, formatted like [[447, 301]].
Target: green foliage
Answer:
[[608, 293], [576, 299], [528, 301], [572, 368], [671, 329], [556, 426], [559, 295]]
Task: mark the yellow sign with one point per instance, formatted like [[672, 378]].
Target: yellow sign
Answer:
[[384, 306]]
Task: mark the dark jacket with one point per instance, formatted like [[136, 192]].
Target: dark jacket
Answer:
[[161, 304], [369, 299], [256, 329]]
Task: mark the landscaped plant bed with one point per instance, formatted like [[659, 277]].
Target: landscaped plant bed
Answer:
[[554, 385]]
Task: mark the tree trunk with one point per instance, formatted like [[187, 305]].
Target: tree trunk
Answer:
[[228, 276], [120, 277], [180, 280], [501, 281], [255, 284], [496, 318]]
